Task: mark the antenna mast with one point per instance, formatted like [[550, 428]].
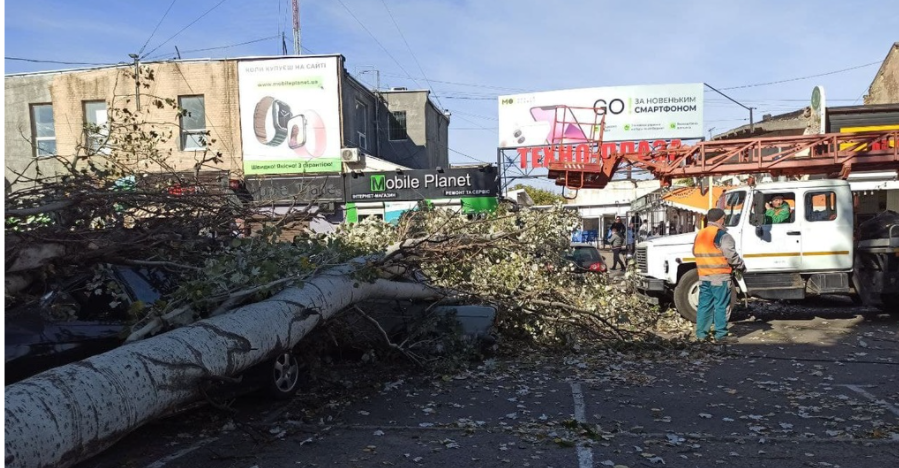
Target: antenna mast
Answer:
[[296, 28]]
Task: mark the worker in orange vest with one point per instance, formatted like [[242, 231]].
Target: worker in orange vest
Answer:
[[716, 258]]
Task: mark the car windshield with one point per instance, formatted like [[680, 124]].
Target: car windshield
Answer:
[[584, 256], [732, 204]]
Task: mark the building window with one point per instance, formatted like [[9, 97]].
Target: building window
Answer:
[[43, 134], [193, 122], [397, 129], [95, 126], [361, 120], [820, 206]]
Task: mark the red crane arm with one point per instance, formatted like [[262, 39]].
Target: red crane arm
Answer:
[[832, 153]]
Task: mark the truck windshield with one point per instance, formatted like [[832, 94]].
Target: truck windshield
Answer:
[[732, 204]]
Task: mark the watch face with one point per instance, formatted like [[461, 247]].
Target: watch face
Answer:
[[297, 126], [281, 113]]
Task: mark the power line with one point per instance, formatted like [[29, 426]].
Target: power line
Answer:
[[397, 26], [20, 59], [473, 85], [185, 28], [803, 77], [467, 156], [157, 27], [485, 117], [224, 46], [379, 43]]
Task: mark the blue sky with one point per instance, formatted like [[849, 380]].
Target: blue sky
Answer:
[[470, 51]]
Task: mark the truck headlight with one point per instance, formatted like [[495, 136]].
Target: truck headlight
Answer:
[[666, 266]]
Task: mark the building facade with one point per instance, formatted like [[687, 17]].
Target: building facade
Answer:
[[884, 88], [71, 113], [47, 115]]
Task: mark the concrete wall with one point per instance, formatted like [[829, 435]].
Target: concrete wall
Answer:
[[353, 91], [427, 145], [411, 152], [20, 93], [437, 133], [885, 86], [215, 80]]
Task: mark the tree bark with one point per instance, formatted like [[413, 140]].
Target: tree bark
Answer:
[[67, 414]]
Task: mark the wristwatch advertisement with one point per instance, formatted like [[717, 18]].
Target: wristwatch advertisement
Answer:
[[274, 123], [290, 115]]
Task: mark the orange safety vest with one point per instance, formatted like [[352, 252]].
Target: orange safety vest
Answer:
[[710, 260]]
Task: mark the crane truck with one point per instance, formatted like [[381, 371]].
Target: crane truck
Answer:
[[818, 249]]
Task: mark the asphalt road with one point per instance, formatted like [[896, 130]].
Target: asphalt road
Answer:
[[808, 384]]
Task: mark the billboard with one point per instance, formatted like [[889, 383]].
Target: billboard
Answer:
[[290, 115], [650, 112], [423, 184]]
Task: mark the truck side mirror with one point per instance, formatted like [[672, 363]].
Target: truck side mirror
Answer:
[[758, 210]]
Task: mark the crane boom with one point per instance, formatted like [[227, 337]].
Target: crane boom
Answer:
[[834, 154]]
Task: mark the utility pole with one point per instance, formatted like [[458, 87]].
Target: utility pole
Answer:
[[136, 79], [750, 109], [296, 28]]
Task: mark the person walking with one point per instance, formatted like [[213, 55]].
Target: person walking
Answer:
[[618, 225], [716, 258], [631, 238], [617, 242]]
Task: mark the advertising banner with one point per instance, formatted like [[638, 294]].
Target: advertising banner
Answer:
[[290, 115], [651, 112], [423, 184], [296, 189]]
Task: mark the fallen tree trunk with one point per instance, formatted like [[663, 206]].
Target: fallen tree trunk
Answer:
[[67, 414]]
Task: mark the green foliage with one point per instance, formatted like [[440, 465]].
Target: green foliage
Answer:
[[540, 196]]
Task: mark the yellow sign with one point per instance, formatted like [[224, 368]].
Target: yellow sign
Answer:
[[873, 128]]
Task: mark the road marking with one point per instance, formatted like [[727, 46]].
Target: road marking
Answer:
[[584, 454], [162, 461], [864, 393]]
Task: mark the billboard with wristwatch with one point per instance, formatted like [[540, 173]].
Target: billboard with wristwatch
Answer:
[[290, 115]]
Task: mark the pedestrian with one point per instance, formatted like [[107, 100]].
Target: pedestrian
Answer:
[[618, 225], [630, 238], [716, 258], [617, 242]]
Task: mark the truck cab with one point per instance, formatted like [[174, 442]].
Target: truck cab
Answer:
[[809, 252]]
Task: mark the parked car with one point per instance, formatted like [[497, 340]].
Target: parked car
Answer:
[[74, 322], [587, 257]]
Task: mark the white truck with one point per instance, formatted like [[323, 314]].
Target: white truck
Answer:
[[817, 250]]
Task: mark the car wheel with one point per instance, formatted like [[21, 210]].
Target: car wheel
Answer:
[[283, 377], [686, 296]]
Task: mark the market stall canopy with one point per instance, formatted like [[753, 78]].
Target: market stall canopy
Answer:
[[692, 198]]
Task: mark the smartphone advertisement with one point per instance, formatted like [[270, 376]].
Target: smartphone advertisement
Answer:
[[290, 115], [573, 116]]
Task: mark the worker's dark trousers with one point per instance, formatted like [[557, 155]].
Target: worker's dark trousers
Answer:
[[714, 302]]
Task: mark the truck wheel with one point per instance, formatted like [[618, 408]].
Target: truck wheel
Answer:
[[686, 296]]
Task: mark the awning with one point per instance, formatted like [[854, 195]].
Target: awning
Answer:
[[691, 199]]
